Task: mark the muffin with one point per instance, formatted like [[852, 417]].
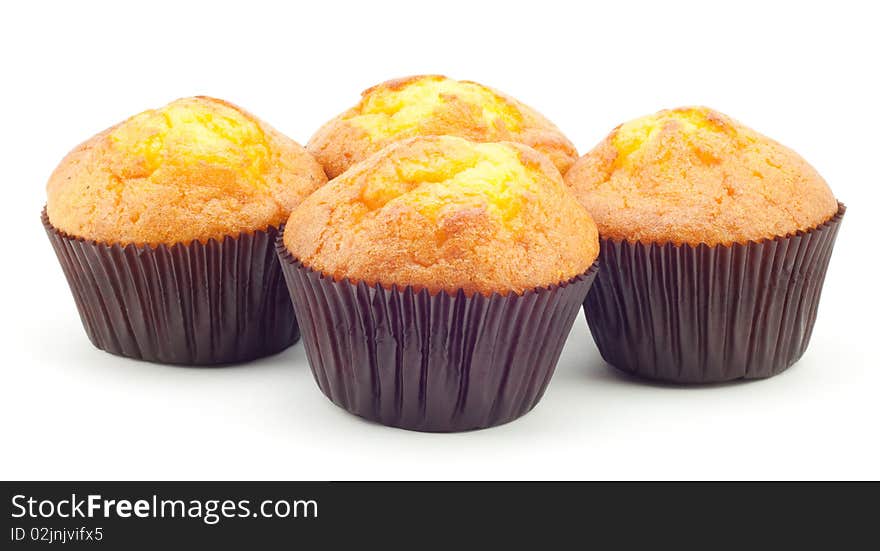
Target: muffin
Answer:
[[165, 225], [432, 105], [715, 243], [435, 282]]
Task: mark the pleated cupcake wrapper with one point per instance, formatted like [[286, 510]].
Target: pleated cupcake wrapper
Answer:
[[706, 314], [437, 363], [194, 304]]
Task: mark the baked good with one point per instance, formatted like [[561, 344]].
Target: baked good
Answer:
[[715, 243], [444, 213], [195, 169], [165, 225], [434, 105], [436, 281], [694, 175]]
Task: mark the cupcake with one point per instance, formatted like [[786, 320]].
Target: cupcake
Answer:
[[165, 224], [435, 282], [432, 105], [715, 242]]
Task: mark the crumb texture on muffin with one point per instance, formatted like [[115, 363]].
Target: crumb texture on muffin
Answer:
[[196, 169], [693, 175], [445, 213], [434, 105]]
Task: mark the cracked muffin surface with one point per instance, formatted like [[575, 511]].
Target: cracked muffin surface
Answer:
[[429, 105], [445, 213], [693, 175], [195, 169]]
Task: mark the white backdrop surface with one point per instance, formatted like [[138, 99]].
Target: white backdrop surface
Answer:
[[804, 75]]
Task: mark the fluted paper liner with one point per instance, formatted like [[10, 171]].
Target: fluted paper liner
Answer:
[[438, 363], [701, 314], [194, 304]]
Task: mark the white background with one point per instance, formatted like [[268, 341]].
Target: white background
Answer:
[[805, 76]]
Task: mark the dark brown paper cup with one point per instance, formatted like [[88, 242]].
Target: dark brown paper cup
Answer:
[[438, 363], [704, 314], [193, 304]]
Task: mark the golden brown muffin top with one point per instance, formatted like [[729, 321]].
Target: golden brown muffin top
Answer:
[[196, 169], [445, 213], [432, 105], [693, 175]]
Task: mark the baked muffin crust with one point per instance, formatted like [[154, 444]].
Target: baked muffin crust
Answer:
[[434, 105], [196, 169], [445, 213], [693, 175]]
